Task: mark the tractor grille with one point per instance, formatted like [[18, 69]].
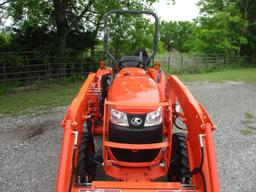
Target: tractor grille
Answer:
[[143, 135]]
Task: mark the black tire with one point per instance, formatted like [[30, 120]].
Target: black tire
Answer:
[[104, 92], [86, 168], [179, 165]]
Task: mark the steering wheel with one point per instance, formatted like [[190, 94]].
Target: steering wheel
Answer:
[[122, 65]]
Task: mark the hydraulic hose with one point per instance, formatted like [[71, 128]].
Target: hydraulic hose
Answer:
[[73, 161], [175, 123], [200, 168]]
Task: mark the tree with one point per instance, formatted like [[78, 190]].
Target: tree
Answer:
[[4, 41], [245, 9], [128, 33], [221, 30], [173, 34], [67, 16]]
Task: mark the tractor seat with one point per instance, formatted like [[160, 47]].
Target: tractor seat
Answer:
[[131, 61]]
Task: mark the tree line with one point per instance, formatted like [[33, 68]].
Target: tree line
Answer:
[[224, 27]]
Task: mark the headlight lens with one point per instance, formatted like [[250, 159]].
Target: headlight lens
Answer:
[[118, 117], [154, 118]]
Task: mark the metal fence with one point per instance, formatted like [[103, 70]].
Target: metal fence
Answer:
[[33, 67], [178, 62]]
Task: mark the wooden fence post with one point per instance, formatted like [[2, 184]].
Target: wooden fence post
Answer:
[[4, 70], [48, 68], [81, 67], [169, 62], [5, 73], [217, 60], [181, 61]]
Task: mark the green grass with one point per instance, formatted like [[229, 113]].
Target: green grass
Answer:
[[37, 99], [248, 116], [249, 124], [247, 132], [239, 74]]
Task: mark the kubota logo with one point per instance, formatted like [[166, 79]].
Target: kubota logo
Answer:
[[136, 121]]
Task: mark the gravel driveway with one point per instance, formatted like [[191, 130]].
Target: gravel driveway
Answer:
[[30, 145]]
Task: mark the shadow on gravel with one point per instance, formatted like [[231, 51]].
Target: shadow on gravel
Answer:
[[35, 131], [38, 129], [28, 130]]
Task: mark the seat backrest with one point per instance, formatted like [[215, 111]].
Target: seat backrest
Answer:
[[142, 53], [131, 61]]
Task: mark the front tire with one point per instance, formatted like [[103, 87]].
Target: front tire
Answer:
[[86, 167], [179, 165]]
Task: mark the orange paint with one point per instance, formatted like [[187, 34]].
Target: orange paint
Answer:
[[140, 91]]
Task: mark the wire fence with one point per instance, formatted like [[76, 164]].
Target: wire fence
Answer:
[[183, 62], [37, 67], [34, 67]]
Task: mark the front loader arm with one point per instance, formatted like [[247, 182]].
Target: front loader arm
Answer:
[[72, 124], [198, 124]]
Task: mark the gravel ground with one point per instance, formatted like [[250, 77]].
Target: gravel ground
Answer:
[[30, 145]]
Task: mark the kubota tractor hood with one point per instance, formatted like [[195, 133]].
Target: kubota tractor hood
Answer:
[[133, 85]]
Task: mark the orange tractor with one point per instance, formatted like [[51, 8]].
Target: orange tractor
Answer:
[[136, 113]]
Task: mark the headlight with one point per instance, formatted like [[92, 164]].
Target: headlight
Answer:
[[118, 118], [154, 118]]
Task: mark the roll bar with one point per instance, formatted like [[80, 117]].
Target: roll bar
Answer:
[[120, 11]]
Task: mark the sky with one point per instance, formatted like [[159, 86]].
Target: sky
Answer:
[[182, 10]]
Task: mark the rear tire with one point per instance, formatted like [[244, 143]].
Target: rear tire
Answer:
[[86, 167], [179, 165]]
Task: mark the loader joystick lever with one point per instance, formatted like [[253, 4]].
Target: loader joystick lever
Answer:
[[119, 11]]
